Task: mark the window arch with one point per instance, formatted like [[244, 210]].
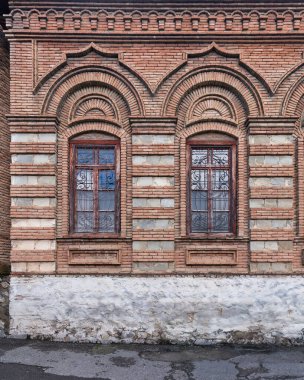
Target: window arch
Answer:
[[95, 184], [211, 184]]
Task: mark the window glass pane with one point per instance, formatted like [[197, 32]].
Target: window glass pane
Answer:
[[106, 179], [84, 179], [220, 180], [220, 201], [220, 221], [84, 200], [85, 156], [199, 222], [220, 157], [199, 200], [106, 222], [84, 222], [199, 157], [107, 155], [199, 180], [106, 200]]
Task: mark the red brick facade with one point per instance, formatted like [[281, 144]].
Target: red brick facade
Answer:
[[159, 76]]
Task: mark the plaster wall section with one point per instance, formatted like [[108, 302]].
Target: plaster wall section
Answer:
[[199, 310]]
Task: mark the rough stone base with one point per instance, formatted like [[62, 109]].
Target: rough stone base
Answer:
[[198, 310], [4, 298]]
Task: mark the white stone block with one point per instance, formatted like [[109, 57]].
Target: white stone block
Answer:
[[153, 245], [30, 245], [18, 267], [153, 160], [153, 181], [270, 139], [33, 180], [153, 224], [33, 137], [34, 223], [153, 139], [270, 182]]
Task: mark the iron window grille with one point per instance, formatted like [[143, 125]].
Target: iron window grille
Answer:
[[211, 189], [95, 187]]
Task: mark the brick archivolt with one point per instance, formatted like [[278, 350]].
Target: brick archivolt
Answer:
[[145, 22], [224, 92], [89, 101], [117, 92]]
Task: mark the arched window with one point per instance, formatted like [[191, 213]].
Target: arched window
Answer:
[[94, 180], [211, 184]]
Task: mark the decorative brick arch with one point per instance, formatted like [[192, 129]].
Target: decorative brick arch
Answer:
[[83, 77], [248, 97], [293, 103]]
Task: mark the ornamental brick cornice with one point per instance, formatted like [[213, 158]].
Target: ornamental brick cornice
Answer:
[[194, 21]]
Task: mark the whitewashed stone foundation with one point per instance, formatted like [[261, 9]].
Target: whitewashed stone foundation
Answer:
[[199, 310]]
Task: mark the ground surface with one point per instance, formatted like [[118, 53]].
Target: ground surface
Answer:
[[31, 360]]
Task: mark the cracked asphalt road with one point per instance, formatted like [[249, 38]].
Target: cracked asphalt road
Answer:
[[31, 360]]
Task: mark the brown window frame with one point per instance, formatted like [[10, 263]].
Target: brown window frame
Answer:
[[95, 167], [232, 145]]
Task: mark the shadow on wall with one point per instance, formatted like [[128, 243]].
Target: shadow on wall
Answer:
[[4, 314]]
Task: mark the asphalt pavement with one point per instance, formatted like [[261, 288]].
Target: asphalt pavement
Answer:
[[41, 360]]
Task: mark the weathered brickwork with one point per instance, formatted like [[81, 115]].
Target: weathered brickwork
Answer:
[[4, 154], [159, 77]]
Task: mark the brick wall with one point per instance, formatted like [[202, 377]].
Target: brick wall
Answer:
[[160, 75], [4, 155]]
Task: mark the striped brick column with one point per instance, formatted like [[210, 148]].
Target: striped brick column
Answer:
[[4, 156], [272, 193], [153, 194], [33, 194]]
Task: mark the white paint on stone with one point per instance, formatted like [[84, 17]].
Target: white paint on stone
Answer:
[[33, 137], [271, 160], [200, 310], [33, 223], [149, 160], [153, 139], [153, 245], [31, 245], [153, 181], [271, 203], [270, 182], [153, 202], [153, 224], [270, 139], [33, 180], [33, 202]]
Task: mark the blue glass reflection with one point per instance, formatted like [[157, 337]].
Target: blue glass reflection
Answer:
[[106, 156], [107, 180], [85, 156]]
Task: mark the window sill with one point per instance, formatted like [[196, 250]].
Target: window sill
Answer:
[[214, 237], [95, 237]]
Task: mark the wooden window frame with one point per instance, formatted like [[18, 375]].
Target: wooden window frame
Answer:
[[233, 183], [96, 167]]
